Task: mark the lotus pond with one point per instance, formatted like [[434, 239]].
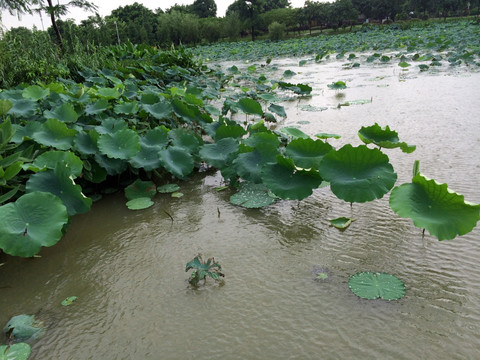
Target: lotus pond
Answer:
[[286, 288]]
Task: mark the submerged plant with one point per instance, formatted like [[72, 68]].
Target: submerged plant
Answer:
[[202, 269]]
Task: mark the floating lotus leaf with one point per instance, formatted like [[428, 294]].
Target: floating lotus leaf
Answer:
[[312, 108], [341, 223], [177, 194], [177, 161], [140, 203], [127, 108], [139, 189], [252, 196], [35, 92], [5, 106], [65, 113], [383, 137], [370, 285], [20, 351], [168, 188], [403, 64], [307, 153], [34, 220], [288, 183], [96, 107], [249, 165], [24, 108], [50, 159], [338, 85], [269, 97], [160, 110], [278, 109], [218, 154], [294, 132], [124, 144], [289, 73], [86, 142], [358, 174], [56, 134], [434, 207], [24, 327], [250, 106], [60, 183], [69, 300], [300, 89]]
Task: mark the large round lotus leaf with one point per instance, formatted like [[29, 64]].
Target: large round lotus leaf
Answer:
[[96, 107], [358, 174], [35, 92], [139, 203], [139, 189], [252, 196], [60, 183], [65, 113], [278, 109], [111, 126], [5, 106], [250, 106], [20, 351], [185, 139], [262, 138], [294, 132], [168, 188], [86, 142], [56, 134], [50, 159], [34, 220], [188, 113], [383, 137], [249, 165], [25, 132], [370, 285], [434, 207], [127, 108], [111, 166], [24, 108], [338, 85], [123, 144], [307, 153], [160, 110], [229, 131], [147, 158], [156, 138], [108, 93], [288, 183], [217, 154], [24, 327], [177, 161]]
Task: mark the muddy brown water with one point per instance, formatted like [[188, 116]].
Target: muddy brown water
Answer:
[[127, 267]]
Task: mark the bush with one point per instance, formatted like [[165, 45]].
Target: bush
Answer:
[[276, 31], [401, 16]]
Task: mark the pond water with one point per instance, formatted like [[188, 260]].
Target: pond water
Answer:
[[127, 267]]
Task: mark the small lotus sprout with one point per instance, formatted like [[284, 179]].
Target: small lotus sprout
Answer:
[[201, 269]]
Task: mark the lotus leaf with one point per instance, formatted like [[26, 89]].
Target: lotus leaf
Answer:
[[229, 131], [24, 327], [123, 144], [56, 134], [25, 132], [60, 183], [69, 300], [140, 189], [147, 158], [65, 113], [203, 268], [86, 142], [218, 154], [358, 174], [108, 93], [312, 108], [5, 106], [50, 159], [307, 153], [294, 132], [339, 85], [111, 126], [189, 113], [111, 166], [250, 106], [177, 195], [156, 137], [35, 92], [140, 203], [177, 161], [96, 107], [341, 223], [264, 138], [249, 165], [288, 183], [127, 108], [278, 109], [383, 137], [160, 110], [327, 136], [370, 285], [434, 207], [252, 196], [403, 64], [24, 108], [168, 188], [185, 139], [300, 89], [20, 351], [6, 133], [288, 73]]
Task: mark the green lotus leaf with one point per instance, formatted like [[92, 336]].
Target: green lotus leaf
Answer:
[[250, 106], [268, 97], [139, 203], [6, 133], [111, 166], [229, 131], [124, 144], [160, 110], [188, 113], [370, 285], [96, 107], [35, 92], [24, 108], [358, 174], [156, 137], [186, 139], [32, 221], [403, 64], [177, 161], [10, 171], [108, 93], [307, 153], [50, 159], [289, 73], [249, 164], [312, 108], [111, 126], [288, 183], [264, 138], [20, 351], [147, 158], [252, 196], [60, 183], [423, 67], [25, 132], [341, 223], [5, 106], [95, 174], [294, 132], [168, 188], [383, 137], [300, 89], [434, 207], [127, 108], [24, 327], [385, 58], [327, 136], [65, 113], [338, 85], [139, 189], [86, 142], [56, 134], [212, 110], [278, 109], [69, 300], [177, 195], [218, 154]]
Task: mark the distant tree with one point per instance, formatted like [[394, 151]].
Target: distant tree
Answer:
[[184, 9], [249, 11], [15, 6], [138, 23], [276, 4], [204, 8]]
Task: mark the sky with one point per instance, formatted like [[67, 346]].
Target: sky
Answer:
[[105, 7]]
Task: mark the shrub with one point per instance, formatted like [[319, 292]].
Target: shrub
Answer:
[[276, 31]]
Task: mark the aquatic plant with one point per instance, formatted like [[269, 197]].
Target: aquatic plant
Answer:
[[23, 327], [19, 351], [202, 269], [371, 285]]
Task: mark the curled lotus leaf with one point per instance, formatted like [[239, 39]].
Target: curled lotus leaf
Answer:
[[358, 174], [50, 159], [19, 351], [24, 327], [249, 165], [383, 137], [34, 220], [341, 223], [69, 300], [370, 285], [434, 207], [5, 106]]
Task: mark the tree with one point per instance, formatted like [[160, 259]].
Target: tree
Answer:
[[204, 8], [138, 22], [249, 11], [15, 6], [276, 4]]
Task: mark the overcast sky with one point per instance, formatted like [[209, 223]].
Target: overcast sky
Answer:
[[105, 7]]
